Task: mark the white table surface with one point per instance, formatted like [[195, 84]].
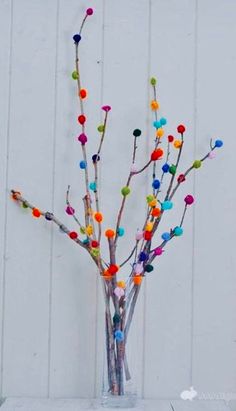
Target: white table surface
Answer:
[[26, 404]]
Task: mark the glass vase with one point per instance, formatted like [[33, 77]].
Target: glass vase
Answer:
[[119, 365]]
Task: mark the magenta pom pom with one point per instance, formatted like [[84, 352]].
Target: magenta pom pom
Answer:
[[106, 108], [158, 251], [189, 199], [70, 210], [89, 11], [82, 139]]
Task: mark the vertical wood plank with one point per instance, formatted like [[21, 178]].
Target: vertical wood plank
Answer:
[[25, 365], [74, 281], [214, 357], [5, 61], [168, 305]]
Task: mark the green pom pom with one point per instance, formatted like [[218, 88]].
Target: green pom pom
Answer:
[[172, 169], [116, 318], [197, 164], [149, 198], [75, 75], [125, 191], [153, 81], [148, 268], [101, 128], [24, 205], [95, 252], [82, 230]]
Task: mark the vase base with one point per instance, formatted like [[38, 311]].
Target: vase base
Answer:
[[128, 400]]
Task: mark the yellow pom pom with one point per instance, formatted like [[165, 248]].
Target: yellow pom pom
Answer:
[[153, 203], [160, 132], [89, 230], [177, 143], [154, 105], [149, 226], [121, 284]]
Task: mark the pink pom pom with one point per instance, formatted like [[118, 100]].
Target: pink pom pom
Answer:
[[89, 11], [82, 139], [211, 155], [70, 210], [158, 251], [189, 199], [138, 268], [139, 235], [106, 108], [119, 292]]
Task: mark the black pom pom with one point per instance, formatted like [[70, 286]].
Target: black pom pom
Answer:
[[77, 38]]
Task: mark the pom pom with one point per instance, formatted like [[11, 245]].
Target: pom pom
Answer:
[[121, 284], [160, 132], [106, 275], [181, 129], [83, 164], [156, 212], [119, 292], [158, 251], [167, 205], [73, 235], [133, 168], [163, 121], [36, 213], [95, 252], [137, 279], [143, 256], [95, 158], [165, 168], [148, 268], [156, 124], [94, 244], [101, 128], [154, 105], [24, 205], [86, 241], [138, 268], [139, 235], [211, 155], [120, 231], [109, 233], [157, 154], [70, 210], [148, 235], [98, 217], [113, 269], [48, 216], [77, 38], [165, 236], [149, 226], [75, 75], [93, 186], [181, 178], [153, 81], [89, 11], [82, 119], [178, 231], [189, 199], [82, 139], [89, 229], [125, 191], [197, 164], [106, 108], [116, 318], [82, 230], [83, 93], [137, 132], [177, 143], [170, 139], [172, 169], [15, 195], [156, 184], [119, 335], [218, 143]]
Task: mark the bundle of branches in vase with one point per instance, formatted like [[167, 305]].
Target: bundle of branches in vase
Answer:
[[121, 296]]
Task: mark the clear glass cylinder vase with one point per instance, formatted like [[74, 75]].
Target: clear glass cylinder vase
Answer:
[[120, 365]]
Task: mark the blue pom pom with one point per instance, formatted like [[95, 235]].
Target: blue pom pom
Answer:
[[93, 186], [156, 124], [83, 164], [120, 231], [178, 231], [163, 121], [166, 205], [165, 236], [165, 168], [218, 143], [77, 38], [143, 256], [156, 184], [119, 335]]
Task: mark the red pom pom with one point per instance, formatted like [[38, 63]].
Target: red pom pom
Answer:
[[181, 178], [73, 235], [181, 129], [148, 235], [81, 119], [95, 244], [113, 269], [170, 139], [156, 154]]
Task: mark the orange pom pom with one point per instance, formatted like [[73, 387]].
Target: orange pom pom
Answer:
[[36, 213], [109, 233], [178, 143], [154, 105], [156, 212], [137, 279], [98, 217], [157, 154], [106, 275], [15, 195], [83, 93], [160, 132]]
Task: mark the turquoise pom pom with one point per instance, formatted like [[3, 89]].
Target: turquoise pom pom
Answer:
[[86, 241], [178, 231], [93, 186], [167, 205], [156, 124], [163, 121], [120, 231]]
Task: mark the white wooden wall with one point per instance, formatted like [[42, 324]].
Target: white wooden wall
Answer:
[[51, 308]]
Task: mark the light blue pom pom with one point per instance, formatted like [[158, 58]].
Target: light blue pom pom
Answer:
[[120, 231], [165, 236], [163, 121], [178, 231], [166, 205], [119, 335], [93, 186], [82, 164], [156, 124]]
